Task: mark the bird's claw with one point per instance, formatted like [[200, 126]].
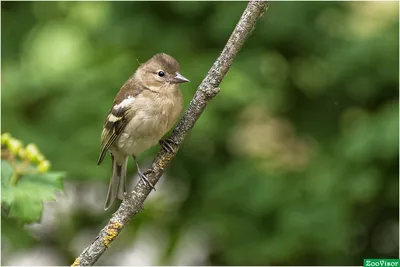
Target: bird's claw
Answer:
[[167, 145], [145, 180], [148, 171]]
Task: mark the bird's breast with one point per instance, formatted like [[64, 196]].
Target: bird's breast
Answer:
[[150, 122]]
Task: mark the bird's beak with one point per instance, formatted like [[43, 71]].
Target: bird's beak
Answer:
[[179, 78]]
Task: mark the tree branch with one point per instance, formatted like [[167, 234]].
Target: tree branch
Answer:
[[207, 90]]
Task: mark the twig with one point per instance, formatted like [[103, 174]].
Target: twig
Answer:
[[208, 89]]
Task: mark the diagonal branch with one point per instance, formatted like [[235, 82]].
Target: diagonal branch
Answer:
[[208, 88]]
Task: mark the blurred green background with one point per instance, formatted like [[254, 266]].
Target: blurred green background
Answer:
[[295, 162]]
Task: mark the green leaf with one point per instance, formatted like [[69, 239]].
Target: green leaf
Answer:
[[27, 197], [6, 173], [7, 196], [26, 207], [51, 179], [36, 190]]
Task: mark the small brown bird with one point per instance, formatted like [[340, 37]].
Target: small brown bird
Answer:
[[145, 108]]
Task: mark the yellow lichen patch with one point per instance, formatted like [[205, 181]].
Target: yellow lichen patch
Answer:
[[117, 225], [163, 162], [76, 262], [111, 233]]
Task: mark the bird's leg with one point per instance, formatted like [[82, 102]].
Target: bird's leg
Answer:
[[167, 145], [143, 176]]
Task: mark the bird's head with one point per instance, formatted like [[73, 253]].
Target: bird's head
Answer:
[[160, 72]]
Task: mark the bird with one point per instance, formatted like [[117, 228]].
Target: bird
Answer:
[[146, 107]]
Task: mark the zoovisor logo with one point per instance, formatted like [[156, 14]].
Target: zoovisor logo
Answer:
[[382, 263]]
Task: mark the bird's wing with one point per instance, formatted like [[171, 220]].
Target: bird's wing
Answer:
[[117, 119]]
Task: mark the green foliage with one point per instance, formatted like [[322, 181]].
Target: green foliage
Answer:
[[26, 198], [6, 173], [295, 162], [23, 189]]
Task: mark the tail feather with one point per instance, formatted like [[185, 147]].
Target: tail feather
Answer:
[[117, 186]]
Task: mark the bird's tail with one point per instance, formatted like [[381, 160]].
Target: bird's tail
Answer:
[[117, 186]]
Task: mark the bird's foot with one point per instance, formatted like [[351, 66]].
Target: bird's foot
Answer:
[[167, 145], [144, 178]]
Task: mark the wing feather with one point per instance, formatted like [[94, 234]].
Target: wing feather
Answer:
[[113, 127], [119, 115]]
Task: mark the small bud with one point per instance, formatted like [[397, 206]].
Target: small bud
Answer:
[[32, 152], [40, 158], [44, 166], [5, 137], [14, 145], [22, 153]]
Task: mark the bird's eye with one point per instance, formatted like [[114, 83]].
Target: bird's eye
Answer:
[[161, 73]]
